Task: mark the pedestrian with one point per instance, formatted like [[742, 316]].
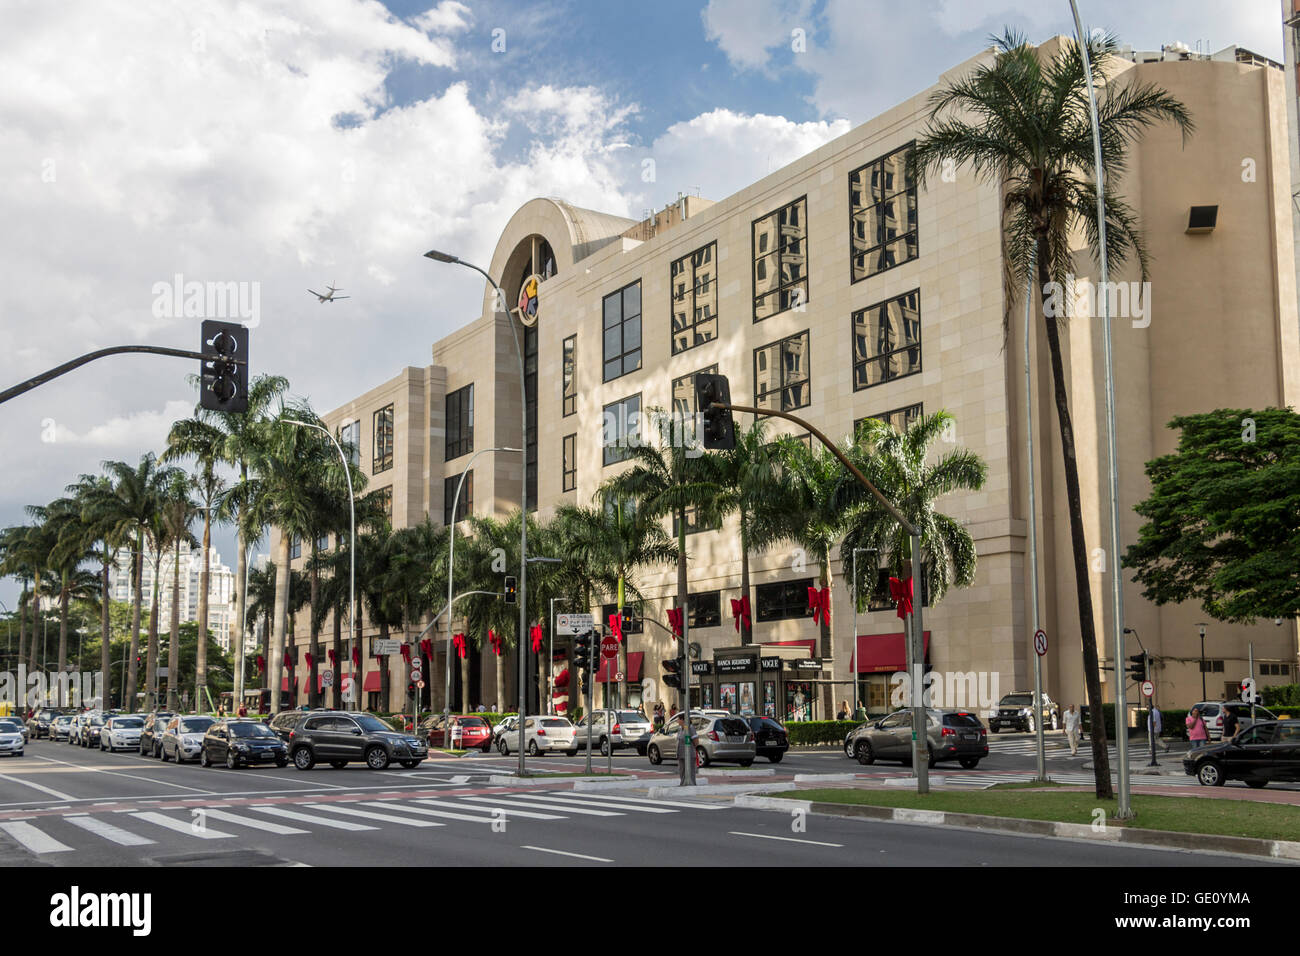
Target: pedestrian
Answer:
[[1230, 722], [1156, 726], [1196, 732], [243, 710], [843, 712], [1072, 729], [860, 713]]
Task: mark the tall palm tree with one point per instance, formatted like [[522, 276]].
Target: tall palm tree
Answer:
[[73, 543], [89, 490], [418, 567], [1024, 125], [261, 607], [17, 560], [177, 513]]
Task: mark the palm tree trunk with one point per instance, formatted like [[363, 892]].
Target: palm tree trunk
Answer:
[[682, 595], [151, 655], [132, 669], [464, 685], [746, 624], [1079, 545], [828, 642], [63, 634], [36, 627], [313, 643], [275, 656], [22, 633], [201, 652], [338, 659], [501, 681], [174, 641], [241, 601], [105, 634]]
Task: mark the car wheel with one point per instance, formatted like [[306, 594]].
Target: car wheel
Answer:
[[503, 748], [866, 756], [1210, 774], [640, 750], [994, 727], [1257, 784], [486, 748], [775, 758], [204, 759], [377, 758], [604, 746], [969, 763], [571, 753], [282, 761], [303, 758], [931, 759], [532, 748], [338, 764], [702, 755], [232, 760], [652, 752], [164, 756], [1029, 725], [410, 764]]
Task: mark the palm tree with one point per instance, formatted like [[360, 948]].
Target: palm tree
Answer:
[[17, 560], [1029, 133], [261, 607], [177, 513], [418, 566], [89, 490]]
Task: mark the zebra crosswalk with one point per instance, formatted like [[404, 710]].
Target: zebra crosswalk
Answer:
[[53, 833], [1053, 749]]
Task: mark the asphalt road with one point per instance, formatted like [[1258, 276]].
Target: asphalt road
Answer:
[[65, 806]]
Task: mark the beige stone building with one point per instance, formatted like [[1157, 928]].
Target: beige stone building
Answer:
[[836, 289]]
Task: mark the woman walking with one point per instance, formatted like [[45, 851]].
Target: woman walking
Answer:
[[1196, 732]]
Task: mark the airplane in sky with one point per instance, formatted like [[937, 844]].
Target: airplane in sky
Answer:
[[330, 297]]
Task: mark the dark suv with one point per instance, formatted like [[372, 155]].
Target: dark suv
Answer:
[[1017, 710], [285, 722], [338, 738], [236, 742], [39, 725]]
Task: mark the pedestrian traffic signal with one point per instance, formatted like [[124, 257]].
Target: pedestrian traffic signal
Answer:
[[719, 430], [673, 673], [410, 690], [512, 590], [1138, 669], [223, 372]]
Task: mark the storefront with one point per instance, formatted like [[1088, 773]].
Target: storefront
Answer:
[[877, 658], [759, 680]]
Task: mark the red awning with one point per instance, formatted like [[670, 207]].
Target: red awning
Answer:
[[371, 681], [883, 653], [606, 672]]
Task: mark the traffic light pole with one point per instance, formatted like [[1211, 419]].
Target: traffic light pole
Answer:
[[38, 380]]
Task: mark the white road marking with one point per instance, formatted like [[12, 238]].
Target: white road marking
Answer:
[[543, 805], [580, 856], [390, 805], [509, 811], [33, 839], [266, 825], [764, 836], [119, 773], [608, 797], [106, 830], [311, 818], [181, 826], [36, 786], [600, 802], [368, 815]]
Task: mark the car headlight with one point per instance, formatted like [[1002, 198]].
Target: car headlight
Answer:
[[241, 747], [413, 742]]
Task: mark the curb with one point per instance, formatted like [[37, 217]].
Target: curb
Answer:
[[1163, 839], [718, 788], [587, 783], [744, 774], [511, 781]]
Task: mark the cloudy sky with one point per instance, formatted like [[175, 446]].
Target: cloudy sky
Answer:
[[286, 144]]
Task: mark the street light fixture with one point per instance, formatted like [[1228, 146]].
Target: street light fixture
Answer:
[[437, 256]]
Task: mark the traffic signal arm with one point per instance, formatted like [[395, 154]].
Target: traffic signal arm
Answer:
[[89, 357]]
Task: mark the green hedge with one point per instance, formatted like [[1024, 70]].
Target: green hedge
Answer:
[[1283, 695], [805, 732]]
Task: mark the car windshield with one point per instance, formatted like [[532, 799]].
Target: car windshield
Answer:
[[128, 723], [631, 716], [732, 726], [251, 730], [10, 727], [555, 722], [1017, 700], [472, 722], [196, 725], [371, 724], [63, 719]]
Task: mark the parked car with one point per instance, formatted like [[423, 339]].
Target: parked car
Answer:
[[770, 738], [542, 734], [235, 741], [12, 741], [285, 722], [1212, 714], [60, 726], [615, 730], [1017, 711], [950, 734], [121, 733], [89, 736], [715, 738], [151, 736], [339, 738], [182, 739], [506, 725], [38, 725], [1266, 752], [471, 731]]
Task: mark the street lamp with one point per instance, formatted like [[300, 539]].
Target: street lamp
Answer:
[[352, 556], [1202, 630], [437, 256]]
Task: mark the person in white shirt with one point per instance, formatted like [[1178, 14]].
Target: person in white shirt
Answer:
[[1072, 730]]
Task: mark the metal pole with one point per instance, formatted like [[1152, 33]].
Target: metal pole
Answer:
[[686, 756], [1124, 811], [1251, 650], [1039, 744], [920, 729], [857, 693], [1202, 627], [591, 669]]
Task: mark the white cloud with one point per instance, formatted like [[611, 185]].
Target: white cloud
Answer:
[[142, 430], [746, 30], [447, 17]]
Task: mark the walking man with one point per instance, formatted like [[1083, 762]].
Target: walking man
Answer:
[[1155, 725], [1072, 729], [1230, 722]]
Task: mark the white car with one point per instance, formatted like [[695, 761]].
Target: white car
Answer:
[[507, 725], [543, 734], [630, 729], [11, 737], [121, 733], [183, 738]]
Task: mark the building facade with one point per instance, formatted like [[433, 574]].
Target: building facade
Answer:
[[221, 589], [838, 289]]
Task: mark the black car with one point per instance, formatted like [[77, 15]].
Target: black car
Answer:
[[770, 739], [285, 722], [1017, 710], [151, 736], [39, 724], [89, 735], [1266, 752], [339, 738], [236, 741]]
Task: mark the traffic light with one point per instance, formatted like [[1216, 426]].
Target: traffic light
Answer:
[[223, 380], [512, 590], [673, 673], [627, 620], [410, 689], [582, 652], [719, 430], [1137, 670]]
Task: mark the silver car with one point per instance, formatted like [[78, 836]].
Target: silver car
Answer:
[[543, 735], [615, 730], [715, 738], [60, 726], [183, 737], [11, 737], [121, 733], [508, 726]]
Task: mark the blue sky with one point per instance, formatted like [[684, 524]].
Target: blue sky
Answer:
[[288, 143]]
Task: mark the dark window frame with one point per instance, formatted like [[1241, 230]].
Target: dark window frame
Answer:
[[569, 463], [697, 617], [624, 352], [459, 422], [466, 504], [911, 200], [619, 448], [692, 326], [782, 288], [785, 385], [791, 605], [381, 458], [878, 356], [569, 376], [888, 417]]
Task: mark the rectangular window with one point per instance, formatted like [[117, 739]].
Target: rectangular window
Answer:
[[622, 331], [703, 610], [460, 422], [464, 507], [684, 401], [694, 281], [781, 374], [295, 548], [780, 249], [569, 383], [637, 626], [782, 599], [887, 341], [382, 459], [900, 418], [569, 473], [323, 543], [384, 496], [620, 429], [350, 439], [1211, 667], [882, 214]]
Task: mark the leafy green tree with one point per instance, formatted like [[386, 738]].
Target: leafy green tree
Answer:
[[1024, 126], [1223, 516]]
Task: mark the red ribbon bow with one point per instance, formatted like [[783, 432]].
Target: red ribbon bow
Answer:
[[310, 660], [334, 660], [261, 664], [288, 661], [740, 611], [356, 658], [901, 591], [495, 640], [536, 635], [459, 641], [820, 603], [616, 626], [675, 620], [406, 652], [426, 647]]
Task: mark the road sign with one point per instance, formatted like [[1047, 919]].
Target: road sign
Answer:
[[609, 646], [619, 677], [417, 674], [1148, 689], [572, 624], [420, 684], [381, 647], [1040, 642], [327, 678]]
